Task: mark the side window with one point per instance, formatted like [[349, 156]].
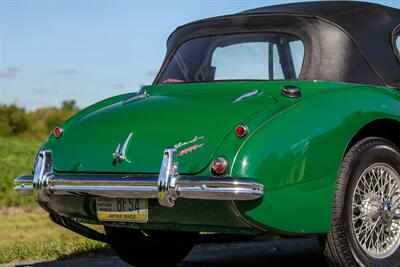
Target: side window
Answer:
[[397, 43]]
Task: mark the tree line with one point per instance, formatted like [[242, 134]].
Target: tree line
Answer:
[[37, 124]]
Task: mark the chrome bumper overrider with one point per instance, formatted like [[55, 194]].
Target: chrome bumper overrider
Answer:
[[167, 187]]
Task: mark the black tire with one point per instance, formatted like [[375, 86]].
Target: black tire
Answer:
[[340, 245], [150, 247]]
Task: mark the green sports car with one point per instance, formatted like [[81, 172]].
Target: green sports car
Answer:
[[280, 121]]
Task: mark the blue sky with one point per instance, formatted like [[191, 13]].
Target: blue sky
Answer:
[[89, 50]]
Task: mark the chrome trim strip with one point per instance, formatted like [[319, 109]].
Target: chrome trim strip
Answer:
[[167, 187], [246, 95]]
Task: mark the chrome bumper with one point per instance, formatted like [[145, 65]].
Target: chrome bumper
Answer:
[[167, 187]]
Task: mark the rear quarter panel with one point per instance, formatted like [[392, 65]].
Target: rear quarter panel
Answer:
[[297, 154]]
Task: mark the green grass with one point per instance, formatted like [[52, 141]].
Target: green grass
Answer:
[[16, 158], [26, 232]]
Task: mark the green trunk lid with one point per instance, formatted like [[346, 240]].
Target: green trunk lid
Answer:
[[172, 114], [200, 115]]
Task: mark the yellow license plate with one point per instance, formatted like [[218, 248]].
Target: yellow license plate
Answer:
[[122, 209]]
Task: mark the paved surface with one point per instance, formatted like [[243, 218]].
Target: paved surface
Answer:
[[297, 252]]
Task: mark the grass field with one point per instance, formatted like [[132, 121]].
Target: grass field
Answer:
[[16, 158], [26, 232]]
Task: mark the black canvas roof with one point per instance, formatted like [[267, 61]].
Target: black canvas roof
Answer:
[[332, 10], [359, 34]]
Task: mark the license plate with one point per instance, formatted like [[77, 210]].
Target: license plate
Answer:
[[122, 209]]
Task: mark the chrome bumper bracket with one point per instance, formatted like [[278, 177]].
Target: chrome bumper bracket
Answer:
[[167, 178]]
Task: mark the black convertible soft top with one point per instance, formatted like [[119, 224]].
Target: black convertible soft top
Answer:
[[345, 41]]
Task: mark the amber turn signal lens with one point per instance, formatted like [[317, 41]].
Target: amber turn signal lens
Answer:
[[219, 166], [58, 132], [241, 130]]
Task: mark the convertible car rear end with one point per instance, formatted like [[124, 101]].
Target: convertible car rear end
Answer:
[[280, 121]]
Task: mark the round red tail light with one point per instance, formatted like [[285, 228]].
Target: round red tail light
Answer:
[[219, 166], [58, 132], [241, 130]]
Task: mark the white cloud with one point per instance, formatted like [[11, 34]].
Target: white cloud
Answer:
[[8, 72]]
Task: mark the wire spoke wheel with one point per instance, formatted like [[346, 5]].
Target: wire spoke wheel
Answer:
[[376, 211]]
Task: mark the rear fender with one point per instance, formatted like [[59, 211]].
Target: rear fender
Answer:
[[297, 154]]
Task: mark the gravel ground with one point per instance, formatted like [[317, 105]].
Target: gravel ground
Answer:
[[295, 252]]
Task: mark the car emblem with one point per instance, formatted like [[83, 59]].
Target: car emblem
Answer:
[[120, 152], [190, 148], [195, 139]]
